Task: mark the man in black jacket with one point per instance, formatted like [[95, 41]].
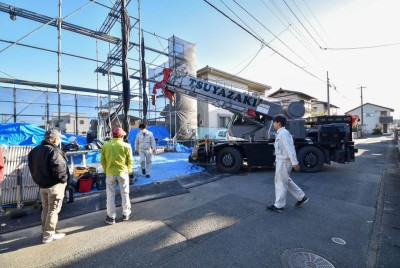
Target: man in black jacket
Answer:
[[48, 166]]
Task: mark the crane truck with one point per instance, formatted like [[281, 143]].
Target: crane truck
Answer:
[[318, 140]]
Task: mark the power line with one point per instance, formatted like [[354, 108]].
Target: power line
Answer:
[[320, 25], [312, 37], [362, 47], [276, 37], [274, 50], [309, 22], [301, 38], [241, 20]]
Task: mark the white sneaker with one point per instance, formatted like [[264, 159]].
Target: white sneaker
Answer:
[[55, 236]]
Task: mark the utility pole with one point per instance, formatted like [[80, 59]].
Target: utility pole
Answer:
[[362, 110], [328, 104]]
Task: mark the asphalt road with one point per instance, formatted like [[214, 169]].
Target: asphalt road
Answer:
[[224, 224]]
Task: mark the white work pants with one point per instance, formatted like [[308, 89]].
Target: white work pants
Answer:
[[111, 182], [284, 183], [145, 160]]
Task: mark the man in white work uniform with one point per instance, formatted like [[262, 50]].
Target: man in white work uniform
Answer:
[[145, 144], [285, 161]]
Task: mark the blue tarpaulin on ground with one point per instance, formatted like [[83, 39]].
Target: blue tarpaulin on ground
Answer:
[[160, 134], [25, 134]]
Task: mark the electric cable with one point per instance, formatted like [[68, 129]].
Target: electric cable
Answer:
[[300, 36], [301, 12], [293, 63], [361, 47], [241, 20], [276, 37], [312, 37], [315, 17]]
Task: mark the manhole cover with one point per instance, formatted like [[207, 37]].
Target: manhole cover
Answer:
[[338, 241], [304, 258]]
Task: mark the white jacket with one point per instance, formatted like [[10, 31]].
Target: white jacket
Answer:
[[284, 147], [144, 141]]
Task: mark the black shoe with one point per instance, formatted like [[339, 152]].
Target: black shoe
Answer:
[[148, 176], [127, 217], [274, 209], [143, 171], [301, 202], [110, 220]]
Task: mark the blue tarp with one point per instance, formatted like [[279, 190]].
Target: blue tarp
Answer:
[[25, 134], [159, 132]]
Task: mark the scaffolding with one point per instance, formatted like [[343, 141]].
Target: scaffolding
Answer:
[[143, 72]]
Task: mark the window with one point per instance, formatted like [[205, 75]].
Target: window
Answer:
[[223, 121], [68, 121], [81, 122]]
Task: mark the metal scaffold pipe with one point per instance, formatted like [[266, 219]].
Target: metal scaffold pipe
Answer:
[[59, 63]]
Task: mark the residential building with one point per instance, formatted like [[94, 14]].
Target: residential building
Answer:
[[286, 96], [320, 108], [210, 116], [71, 123], [374, 116]]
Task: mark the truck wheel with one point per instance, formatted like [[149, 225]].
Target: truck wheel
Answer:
[[229, 160], [311, 159]]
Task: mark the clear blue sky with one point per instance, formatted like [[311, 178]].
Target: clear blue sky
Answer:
[[223, 45]]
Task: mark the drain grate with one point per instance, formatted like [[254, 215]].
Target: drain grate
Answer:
[[304, 258], [338, 241]]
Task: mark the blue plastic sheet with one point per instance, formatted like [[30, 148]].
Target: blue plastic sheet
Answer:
[[160, 134], [24, 134], [179, 148]]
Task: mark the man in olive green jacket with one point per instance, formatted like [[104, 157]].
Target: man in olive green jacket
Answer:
[[117, 160]]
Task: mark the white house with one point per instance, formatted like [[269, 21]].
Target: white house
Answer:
[[374, 116], [212, 117], [71, 123]]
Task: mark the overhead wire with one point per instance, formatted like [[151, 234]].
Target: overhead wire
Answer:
[[262, 45], [301, 12], [241, 20], [298, 35], [294, 14], [315, 17], [276, 37], [281, 55], [360, 47]]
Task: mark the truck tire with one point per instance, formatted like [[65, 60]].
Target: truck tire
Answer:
[[311, 159], [229, 160]]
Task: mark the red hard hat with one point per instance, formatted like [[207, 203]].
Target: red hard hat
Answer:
[[118, 132]]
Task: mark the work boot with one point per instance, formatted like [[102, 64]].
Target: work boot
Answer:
[[143, 171]]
